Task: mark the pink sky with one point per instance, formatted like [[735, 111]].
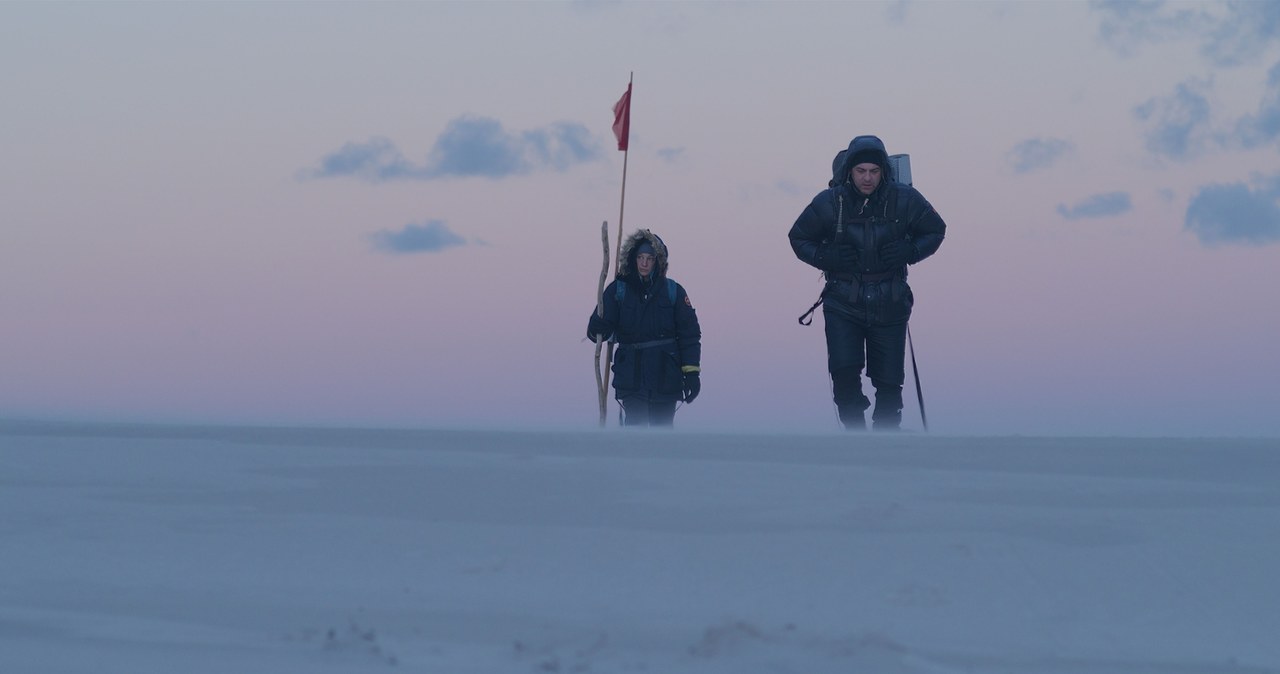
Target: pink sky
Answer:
[[202, 205]]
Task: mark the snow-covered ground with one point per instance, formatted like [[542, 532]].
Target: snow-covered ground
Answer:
[[149, 550]]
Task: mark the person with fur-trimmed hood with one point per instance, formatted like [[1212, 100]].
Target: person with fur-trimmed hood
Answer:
[[862, 232], [649, 315]]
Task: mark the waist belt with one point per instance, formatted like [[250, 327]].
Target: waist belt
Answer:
[[863, 278], [649, 344]]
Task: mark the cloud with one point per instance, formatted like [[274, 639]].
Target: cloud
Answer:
[[1229, 33], [1236, 213], [1177, 124], [1038, 153], [1244, 33], [793, 190], [1264, 127], [1127, 24], [1097, 206], [470, 146], [476, 146], [897, 12], [374, 160], [430, 237], [671, 154], [560, 146]]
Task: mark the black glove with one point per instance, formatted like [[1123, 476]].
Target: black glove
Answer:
[[838, 257], [897, 253], [692, 385], [597, 326]]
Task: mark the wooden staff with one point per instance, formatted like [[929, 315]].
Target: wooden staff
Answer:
[[602, 376]]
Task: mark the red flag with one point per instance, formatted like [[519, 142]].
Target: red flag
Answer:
[[622, 119]]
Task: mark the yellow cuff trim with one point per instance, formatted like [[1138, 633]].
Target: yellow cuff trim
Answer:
[[690, 368]]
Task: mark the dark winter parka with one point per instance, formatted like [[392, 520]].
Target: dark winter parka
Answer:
[[653, 323], [875, 293]]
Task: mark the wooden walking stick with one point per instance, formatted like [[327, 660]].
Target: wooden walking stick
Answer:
[[602, 376]]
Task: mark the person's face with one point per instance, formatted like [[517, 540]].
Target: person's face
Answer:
[[644, 263], [866, 177]]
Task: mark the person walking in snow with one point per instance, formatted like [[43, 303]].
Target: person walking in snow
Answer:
[[862, 232], [659, 347]]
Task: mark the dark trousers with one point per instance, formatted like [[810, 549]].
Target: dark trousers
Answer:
[[853, 344], [638, 410]]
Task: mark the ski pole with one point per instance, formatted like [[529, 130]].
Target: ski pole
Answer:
[[916, 371]]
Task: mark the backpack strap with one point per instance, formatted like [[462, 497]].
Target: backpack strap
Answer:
[[807, 318], [620, 290]]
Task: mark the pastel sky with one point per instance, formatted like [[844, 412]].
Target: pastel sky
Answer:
[[389, 213]]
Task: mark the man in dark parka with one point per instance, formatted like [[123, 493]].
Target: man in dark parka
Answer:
[[862, 232], [659, 348]]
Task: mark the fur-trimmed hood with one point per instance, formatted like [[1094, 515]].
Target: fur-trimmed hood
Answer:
[[627, 256]]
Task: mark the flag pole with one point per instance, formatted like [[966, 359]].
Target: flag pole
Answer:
[[621, 129], [624, 140]]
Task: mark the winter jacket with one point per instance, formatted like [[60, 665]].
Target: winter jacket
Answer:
[[654, 325], [873, 291]]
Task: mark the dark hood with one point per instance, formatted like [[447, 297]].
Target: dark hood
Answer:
[[863, 145]]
